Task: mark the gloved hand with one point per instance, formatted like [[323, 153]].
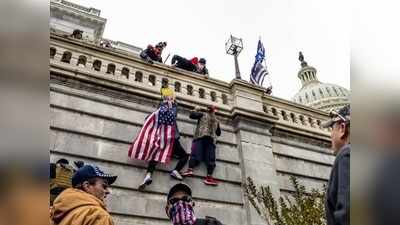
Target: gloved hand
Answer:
[[149, 60]]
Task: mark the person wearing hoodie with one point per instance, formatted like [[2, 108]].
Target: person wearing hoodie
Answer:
[[185, 64], [151, 53], [83, 204]]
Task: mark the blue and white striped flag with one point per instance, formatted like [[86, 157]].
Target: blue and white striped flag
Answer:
[[259, 71]]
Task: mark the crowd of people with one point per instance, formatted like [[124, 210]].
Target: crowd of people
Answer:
[[159, 140], [153, 54]]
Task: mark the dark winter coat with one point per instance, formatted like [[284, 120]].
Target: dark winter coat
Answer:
[[151, 53], [338, 193], [183, 63]]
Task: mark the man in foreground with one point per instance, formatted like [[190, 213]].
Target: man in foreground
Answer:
[[83, 204], [180, 207], [338, 193]]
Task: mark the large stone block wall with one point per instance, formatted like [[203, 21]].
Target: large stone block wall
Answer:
[[95, 116]]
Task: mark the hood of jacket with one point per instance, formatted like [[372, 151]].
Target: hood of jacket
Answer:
[[71, 199]]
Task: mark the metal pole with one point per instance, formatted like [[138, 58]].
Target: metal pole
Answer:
[[237, 66]]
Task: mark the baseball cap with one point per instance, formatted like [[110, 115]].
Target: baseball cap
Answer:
[[179, 187], [212, 107], [88, 171], [342, 115]]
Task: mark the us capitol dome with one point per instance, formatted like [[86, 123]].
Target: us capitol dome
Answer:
[[313, 93]]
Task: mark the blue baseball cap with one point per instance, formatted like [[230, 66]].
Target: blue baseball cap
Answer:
[[87, 172]]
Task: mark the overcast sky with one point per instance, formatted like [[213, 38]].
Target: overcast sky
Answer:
[[320, 29]]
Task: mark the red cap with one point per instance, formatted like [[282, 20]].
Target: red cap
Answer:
[[212, 108], [194, 61]]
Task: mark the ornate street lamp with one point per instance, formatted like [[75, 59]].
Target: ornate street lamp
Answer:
[[234, 46]]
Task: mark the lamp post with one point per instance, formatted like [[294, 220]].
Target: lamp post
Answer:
[[234, 46]]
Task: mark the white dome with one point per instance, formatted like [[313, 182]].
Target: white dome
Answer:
[[316, 94], [322, 96]]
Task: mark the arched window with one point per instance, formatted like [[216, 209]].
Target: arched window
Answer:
[[97, 65], [311, 122], [284, 115], [152, 80], [302, 119], [293, 117], [202, 93], [164, 82], [300, 99], [66, 57], [139, 76], [319, 123], [321, 93], [53, 52], [224, 99], [125, 72], [213, 96], [336, 92], [329, 91], [313, 94], [189, 89], [177, 86], [265, 109], [111, 69], [81, 61], [274, 111], [308, 99]]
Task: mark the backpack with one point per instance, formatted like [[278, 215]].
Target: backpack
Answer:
[[61, 174]]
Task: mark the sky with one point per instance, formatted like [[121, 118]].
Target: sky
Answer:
[[320, 29]]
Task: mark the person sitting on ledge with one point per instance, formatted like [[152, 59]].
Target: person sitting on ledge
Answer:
[[151, 53], [185, 64], [201, 67]]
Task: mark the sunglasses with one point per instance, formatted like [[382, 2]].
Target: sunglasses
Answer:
[[184, 198]]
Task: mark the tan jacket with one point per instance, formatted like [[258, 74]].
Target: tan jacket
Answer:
[[76, 207]]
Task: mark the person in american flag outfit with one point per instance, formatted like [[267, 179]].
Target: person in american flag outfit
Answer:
[[158, 140]]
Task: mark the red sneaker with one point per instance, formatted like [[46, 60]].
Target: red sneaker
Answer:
[[187, 173], [209, 180]]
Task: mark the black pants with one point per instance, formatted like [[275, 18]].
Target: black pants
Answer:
[[177, 152], [183, 63], [203, 149]]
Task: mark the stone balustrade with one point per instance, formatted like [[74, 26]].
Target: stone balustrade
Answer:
[[187, 85], [99, 98]]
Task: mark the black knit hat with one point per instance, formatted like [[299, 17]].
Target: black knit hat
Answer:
[[179, 187], [202, 61]]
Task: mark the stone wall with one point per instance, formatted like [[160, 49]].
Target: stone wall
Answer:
[[95, 115]]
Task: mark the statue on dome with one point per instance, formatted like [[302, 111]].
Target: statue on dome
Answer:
[[301, 59]]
